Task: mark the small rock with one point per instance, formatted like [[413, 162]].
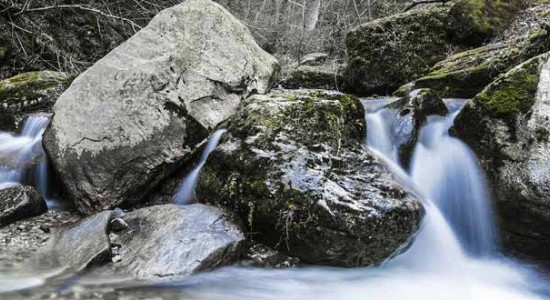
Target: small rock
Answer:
[[118, 225], [20, 202]]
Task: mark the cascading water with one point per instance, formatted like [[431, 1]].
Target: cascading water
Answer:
[[22, 159], [186, 189]]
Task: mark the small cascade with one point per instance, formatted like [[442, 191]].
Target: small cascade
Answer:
[[186, 189], [22, 159]]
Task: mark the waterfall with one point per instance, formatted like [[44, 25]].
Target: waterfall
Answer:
[[22, 159], [187, 187]]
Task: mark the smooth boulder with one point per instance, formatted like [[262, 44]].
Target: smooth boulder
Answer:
[[292, 166], [174, 241], [19, 202], [138, 113], [507, 125]]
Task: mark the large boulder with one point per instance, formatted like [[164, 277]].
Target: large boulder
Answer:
[[292, 166], [467, 73], [138, 113], [19, 202], [507, 125], [473, 22], [168, 240], [388, 52], [314, 77]]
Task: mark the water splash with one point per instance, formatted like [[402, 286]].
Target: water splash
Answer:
[[186, 189]]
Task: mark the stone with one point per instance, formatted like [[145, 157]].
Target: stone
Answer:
[[293, 168], [19, 202], [314, 77], [140, 112], [314, 59], [388, 52], [77, 246], [176, 241], [507, 127]]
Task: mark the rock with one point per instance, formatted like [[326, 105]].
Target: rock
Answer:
[[507, 126], [168, 240], [473, 22], [20, 202], [77, 246], [465, 74], [118, 225], [314, 77], [20, 241], [314, 59], [293, 168], [28, 93], [412, 113], [261, 256], [386, 53], [137, 114]]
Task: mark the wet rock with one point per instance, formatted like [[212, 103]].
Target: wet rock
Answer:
[[314, 77], [138, 113], [412, 113], [77, 246], [465, 74], [265, 257], [507, 126], [174, 241], [388, 52], [473, 22], [20, 202], [293, 168]]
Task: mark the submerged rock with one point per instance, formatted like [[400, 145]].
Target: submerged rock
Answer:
[[412, 113], [293, 168], [507, 125], [388, 52], [173, 241], [138, 113], [20, 202]]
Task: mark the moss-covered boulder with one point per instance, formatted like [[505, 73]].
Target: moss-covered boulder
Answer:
[[292, 167], [507, 125], [388, 52], [27, 93], [314, 77], [465, 74], [473, 22]]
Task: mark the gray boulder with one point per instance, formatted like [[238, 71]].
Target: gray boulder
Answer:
[[293, 168], [78, 245], [138, 113], [507, 125], [19, 202], [168, 240]]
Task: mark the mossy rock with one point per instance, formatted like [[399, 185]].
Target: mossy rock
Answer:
[[293, 169], [314, 77], [388, 52], [31, 86], [473, 22], [507, 125]]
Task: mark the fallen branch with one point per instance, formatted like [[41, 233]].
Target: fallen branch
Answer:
[[418, 2]]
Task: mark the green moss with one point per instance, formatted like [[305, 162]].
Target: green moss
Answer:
[[30, 85], [472, 22], [513, 92]]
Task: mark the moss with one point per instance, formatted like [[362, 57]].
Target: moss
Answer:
[[513, 92], [31, 85], [472, 22]]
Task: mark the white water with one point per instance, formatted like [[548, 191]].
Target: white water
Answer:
[[186, 189], [22, 159], [453, 257]]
